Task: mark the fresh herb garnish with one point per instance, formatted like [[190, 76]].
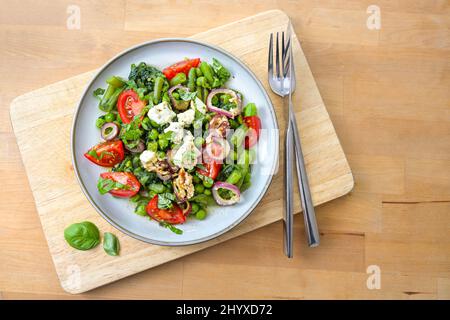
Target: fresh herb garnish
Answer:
[[221, 72], [171, 227], [82, 236], [106, 185], [186, 95], [165, 200], [98, 93], [111, 244]]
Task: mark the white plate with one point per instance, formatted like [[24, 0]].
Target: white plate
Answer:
[[120, 212]]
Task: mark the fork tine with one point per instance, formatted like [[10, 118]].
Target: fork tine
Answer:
[[277, 58], [286, 57], [270, 60]]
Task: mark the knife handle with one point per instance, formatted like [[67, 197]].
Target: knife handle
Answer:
[[309, 215], [289, 198]]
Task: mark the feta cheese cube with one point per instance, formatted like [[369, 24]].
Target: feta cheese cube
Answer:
[[186, 118], [147, 158], [161, 113]]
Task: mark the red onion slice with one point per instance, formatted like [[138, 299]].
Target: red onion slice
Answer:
[[179, 105], [229, 113], [227, 186], [114, 131]]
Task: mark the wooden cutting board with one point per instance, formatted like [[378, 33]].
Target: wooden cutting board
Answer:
[[42, 120]]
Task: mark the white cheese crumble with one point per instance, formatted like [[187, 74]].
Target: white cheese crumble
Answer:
[[187, 154], [161, 113], [198, 105], [186, 118], [147, 158], [177, 132]]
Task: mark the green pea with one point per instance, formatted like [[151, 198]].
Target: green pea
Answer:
[[207, 192], [250, 110], [152, 146], [128, 164], [179, 78], [163, 141], [153, 135], [196, 179], [199, 141], [100, 122], [110, 117], [195, 207], [140, 210], [201, 214], [199, 188], [176, 95], [208, 182], [161, 155]]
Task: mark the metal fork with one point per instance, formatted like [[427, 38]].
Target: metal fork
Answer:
[[283, 83]]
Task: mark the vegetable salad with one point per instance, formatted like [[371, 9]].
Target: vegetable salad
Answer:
[[176, 141]]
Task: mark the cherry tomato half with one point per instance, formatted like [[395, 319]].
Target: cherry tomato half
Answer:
[[254, 125], [128, 179], [212, 169], [106, 154], [129, 105], [181, 66], [173, 215]]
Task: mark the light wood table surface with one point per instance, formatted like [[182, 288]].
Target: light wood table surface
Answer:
[[387, 92]]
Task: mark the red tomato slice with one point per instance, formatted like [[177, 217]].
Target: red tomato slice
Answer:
[[129, 105], [126, 178], [212, 169], [182, 66], [106, 154], [254, 125], [173, 215]]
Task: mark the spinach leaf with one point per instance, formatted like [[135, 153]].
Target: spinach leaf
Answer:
[[165, 200], [82, 236], [111, 244]]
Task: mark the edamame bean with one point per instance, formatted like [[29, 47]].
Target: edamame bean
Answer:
[[179, 78], [207, 72], [201, 214]]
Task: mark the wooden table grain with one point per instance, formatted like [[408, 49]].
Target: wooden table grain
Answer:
[[387, 91]]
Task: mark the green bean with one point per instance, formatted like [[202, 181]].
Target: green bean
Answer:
[[152, 146], [116, 82], [159, 82], [153, 135], [205, 94], [179, 78], [235, 176], [154, 124], [100, 122], [109, 99], [202, 82], [250, 110], [199, 93], [110, 117], [195, 207], [206, 70], [201, 214], [240, 119], [198, 72], [192, 77], [157, 187]]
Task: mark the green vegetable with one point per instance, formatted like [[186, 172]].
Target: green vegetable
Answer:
[[220, 71], [116, 82], [159, 83], [163, 142], [207, 192], [106, 185], [198, 141], [179, 78], [153, 134], [202, 82], [198, 72], [171, 227], [110, 117], [82, 236], [187, 96], [152, 146], [99, 92], [207, 71], [199, 188], [250, 110], [205, 95], [100, 122], [111, 244], [131, 133], [234, 177], [195, 207], [238, 135], [165, 200], [110, 97], [192, 77], [208, 182], [145, 76], [202, 199], [201, 214], [140, 210], [157, 187]]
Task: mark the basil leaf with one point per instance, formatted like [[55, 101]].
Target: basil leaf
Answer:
[[82, 236], [99, 92], [186, 96], [165, 200], [106, 185], [93, 154], [171, 227], [111, 244]]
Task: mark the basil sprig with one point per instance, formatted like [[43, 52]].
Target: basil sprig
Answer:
[[82, 236], [165, 200], [111, 244], [106, 185]]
